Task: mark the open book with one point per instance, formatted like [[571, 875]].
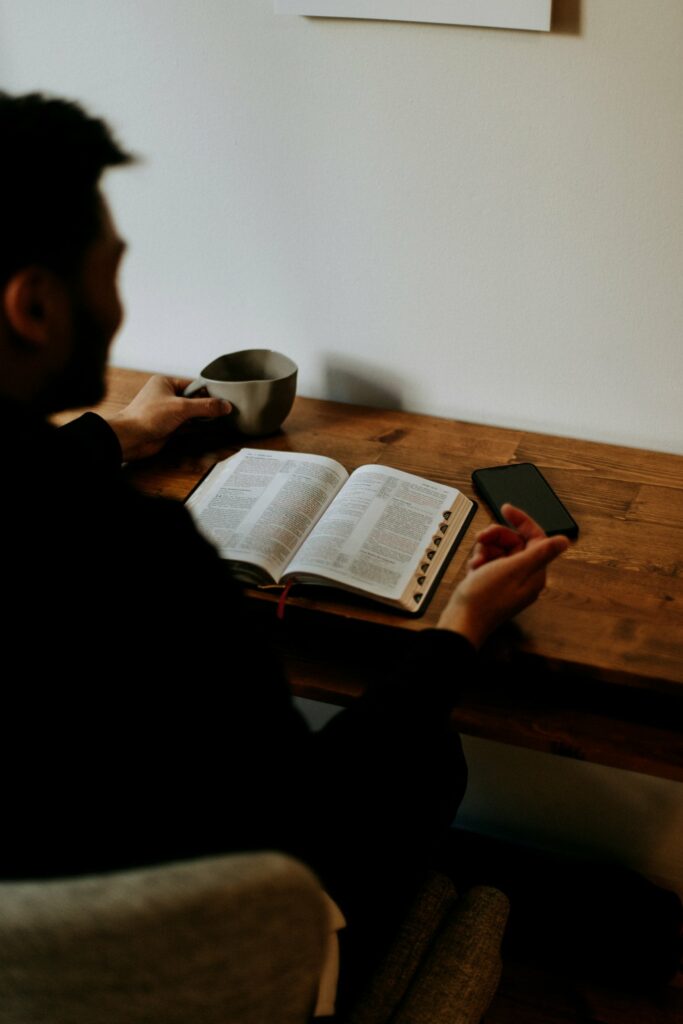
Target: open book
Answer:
[[279, 516]]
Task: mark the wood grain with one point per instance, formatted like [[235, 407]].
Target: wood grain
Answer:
[[612, 613]]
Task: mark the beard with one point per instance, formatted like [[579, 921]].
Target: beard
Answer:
[[81, 382]]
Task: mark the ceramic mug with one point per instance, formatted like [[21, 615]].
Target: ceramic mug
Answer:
[[260, 384]]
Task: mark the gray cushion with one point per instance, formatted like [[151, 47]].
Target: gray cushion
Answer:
[[227, 939]]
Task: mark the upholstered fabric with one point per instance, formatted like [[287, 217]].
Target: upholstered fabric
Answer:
[[444, 966], [229, 939], [460, 973]]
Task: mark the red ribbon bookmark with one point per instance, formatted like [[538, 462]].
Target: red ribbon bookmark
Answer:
[[283, 598]]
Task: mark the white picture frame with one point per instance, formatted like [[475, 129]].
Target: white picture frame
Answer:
[[532, 15]]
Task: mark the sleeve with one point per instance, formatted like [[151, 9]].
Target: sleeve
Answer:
[[407, 705], [88, 445], [389, 775], [423, 677]]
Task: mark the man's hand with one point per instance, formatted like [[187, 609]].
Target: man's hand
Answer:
[[156, 412], [505, 574]]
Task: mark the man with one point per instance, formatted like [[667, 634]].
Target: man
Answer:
[[146, 718]]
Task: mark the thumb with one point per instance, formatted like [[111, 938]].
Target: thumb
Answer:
[[205, 407], [538, 554]]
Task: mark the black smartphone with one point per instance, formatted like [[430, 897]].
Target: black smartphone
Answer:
[[523, 485]]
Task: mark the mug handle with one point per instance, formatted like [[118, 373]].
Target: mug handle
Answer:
[[195, 386]]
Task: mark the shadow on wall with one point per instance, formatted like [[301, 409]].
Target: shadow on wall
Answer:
[[566, 18], [361, 383], [564, 807]]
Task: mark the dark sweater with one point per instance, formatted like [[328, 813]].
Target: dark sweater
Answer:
[[145, 717]]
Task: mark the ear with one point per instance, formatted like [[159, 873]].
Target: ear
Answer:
[[36, 306]]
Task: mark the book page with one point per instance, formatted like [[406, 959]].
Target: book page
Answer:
[[258, 505], [376, 531]]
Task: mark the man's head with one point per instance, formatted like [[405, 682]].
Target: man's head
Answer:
[[59, 252]]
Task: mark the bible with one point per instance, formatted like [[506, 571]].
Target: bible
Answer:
[[279, 517]]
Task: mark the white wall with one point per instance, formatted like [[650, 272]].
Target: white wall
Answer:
[[477, 223], [472, 222], [561, 804]]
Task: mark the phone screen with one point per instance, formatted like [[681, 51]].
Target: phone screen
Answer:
[[524, 485]]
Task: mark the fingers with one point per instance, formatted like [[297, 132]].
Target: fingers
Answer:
[[486, 553], [205, 407], [496, 530], [523, 563], [501, 536], [527, 527], [477, 558], [538, 555], [495, 541]]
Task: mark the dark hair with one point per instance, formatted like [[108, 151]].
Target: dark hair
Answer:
[[53, 155]]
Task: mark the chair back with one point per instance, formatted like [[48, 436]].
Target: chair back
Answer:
[[226, 940]]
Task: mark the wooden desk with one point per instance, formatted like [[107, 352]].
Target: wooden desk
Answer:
[[594, 670]]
